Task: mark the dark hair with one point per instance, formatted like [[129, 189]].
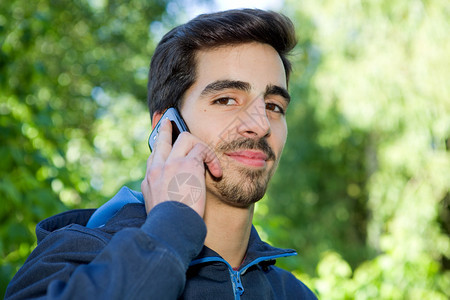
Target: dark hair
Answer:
[[173, 66]]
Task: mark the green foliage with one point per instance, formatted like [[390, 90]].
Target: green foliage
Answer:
[[362, 191], [363, 188], [72, 109]]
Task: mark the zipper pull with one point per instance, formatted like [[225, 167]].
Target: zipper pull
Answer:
[[238, 287]]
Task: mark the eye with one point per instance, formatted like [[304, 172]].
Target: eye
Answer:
[[225, 101], [275, 108]]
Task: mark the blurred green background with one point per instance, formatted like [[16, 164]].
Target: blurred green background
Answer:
[[362, 191]]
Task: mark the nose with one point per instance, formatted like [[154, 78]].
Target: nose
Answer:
[[254, 120]]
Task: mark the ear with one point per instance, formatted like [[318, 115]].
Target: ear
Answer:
[[155, 119]]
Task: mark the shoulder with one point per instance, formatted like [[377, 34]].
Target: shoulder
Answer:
[[292, 287], [70, 227]]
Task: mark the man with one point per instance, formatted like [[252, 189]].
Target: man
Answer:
[[227, 74]]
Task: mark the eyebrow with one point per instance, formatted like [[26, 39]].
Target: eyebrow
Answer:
[[220, 85], [277, 90]]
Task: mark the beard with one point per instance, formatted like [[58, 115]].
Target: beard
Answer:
[[240, 186]]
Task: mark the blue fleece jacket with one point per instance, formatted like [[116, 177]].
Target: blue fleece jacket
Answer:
[[130, 255]]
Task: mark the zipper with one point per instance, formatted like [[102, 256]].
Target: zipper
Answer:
[[238, 288], [237, 284]]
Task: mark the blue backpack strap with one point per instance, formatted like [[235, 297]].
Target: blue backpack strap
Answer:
[[105, 212]]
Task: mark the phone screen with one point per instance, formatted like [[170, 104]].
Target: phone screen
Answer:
[[178, 126]]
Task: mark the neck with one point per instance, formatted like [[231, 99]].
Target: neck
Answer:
[[228, 230]]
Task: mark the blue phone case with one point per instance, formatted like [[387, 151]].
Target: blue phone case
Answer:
[[178, 126]]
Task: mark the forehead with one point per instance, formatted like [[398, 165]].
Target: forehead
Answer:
[[258, 64]]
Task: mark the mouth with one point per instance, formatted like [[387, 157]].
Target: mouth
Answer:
[[251, 158]]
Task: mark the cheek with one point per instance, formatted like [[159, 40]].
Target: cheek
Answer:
[[203, 127], [279, 147], [279, 134]]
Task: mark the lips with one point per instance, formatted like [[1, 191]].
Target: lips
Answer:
[[249, 157]]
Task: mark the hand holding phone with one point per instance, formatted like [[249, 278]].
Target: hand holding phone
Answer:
[[178, 126], [176, 171]]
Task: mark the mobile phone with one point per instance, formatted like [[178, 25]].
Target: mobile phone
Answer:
[[178, 126]]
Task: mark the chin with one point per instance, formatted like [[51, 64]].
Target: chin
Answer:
[[243, 189]]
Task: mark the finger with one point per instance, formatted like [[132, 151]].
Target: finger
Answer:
[[145, 189], [204, 155], [144, 184], [163, 144], [183, 145], [150, 160]]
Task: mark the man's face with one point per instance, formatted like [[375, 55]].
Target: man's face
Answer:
[[237, 106]]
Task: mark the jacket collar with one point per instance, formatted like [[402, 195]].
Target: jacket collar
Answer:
[[257, 252], [49, 225], [130, 215]]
